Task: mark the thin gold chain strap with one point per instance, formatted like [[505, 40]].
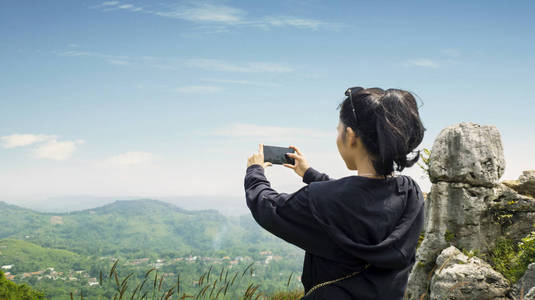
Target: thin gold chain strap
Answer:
[[335, 280]]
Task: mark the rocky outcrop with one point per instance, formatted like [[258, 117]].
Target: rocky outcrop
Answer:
[[525, 287], [514, 212], [457, 276], [525, 184], [467, 206], [462, 153]]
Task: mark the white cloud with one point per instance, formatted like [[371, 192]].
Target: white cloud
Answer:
[[220, 15], [57, 150], [174, 64], [288, 21], [115, 5], [131, 158], [218, 65], [92, 54], [243, 82], [110, 3], [19, 140], [203, 12], [119, 62], [279, 132], [422, 62], [202, 89], [452, 52]]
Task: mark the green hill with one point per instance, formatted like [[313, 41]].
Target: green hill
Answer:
[[139, 228], [147, 231], [28, 257], [13, 291]]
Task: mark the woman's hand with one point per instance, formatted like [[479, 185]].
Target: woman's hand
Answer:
[[300, 165], [258, 158]]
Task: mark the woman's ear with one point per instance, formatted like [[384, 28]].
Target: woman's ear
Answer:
[[351, 136]]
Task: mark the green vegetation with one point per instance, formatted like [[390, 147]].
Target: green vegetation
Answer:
[[504, 219], [512, 259], [26, 257], [237, 284], [289, 295], [64, 253], [138, 228], [449, 236], [12, 291], [425, 158], [420, 239], [471, 253]]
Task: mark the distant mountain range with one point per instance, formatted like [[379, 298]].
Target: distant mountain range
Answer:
[[226, 205], [135, 228], [62, 252]]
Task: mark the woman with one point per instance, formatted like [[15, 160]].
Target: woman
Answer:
[[359, 232]]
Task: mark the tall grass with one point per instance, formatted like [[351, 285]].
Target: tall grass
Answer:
[[210, 285]]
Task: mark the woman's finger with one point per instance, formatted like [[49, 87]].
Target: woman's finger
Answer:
[[290, 154], [296, 150], [289, 166]]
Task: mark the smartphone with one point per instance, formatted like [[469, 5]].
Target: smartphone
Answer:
[[277, 155]]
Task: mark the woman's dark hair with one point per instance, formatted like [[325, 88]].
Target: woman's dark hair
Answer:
[[388, 124]]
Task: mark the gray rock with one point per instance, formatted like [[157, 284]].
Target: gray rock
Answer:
[[525, 184], [530, 295], [528, 180], [469, 153], [470, 209], [526, 284], [514, 212], [457, 214], [460, 277]]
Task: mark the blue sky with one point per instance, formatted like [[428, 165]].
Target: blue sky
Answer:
[[138, 98]]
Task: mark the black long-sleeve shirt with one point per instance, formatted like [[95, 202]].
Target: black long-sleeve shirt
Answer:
[[343, 224]]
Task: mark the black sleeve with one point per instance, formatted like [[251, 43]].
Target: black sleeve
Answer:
[[312, 175], [287, 216]]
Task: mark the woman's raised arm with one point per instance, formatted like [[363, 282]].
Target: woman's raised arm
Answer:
[[312, 175], [287, 216]]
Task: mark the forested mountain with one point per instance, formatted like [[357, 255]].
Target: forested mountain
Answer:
[[135, 228], [12, 291], [39, 248]]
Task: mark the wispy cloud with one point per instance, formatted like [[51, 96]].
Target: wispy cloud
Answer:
[[289, 21], [218, 65], [20, 140], [452, 52], [422, 62], [119, 62], [131, 158], [261, 131], [114, 5], [199, 89], [108, 3], [242, 82], [220, 15], [47, 146], [57, 150], [176, 64], [204, 12], [112, 59]]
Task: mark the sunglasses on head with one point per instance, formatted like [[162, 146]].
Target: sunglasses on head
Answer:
[[349, 93]]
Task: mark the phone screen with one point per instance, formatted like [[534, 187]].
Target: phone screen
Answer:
[[277, 155]]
